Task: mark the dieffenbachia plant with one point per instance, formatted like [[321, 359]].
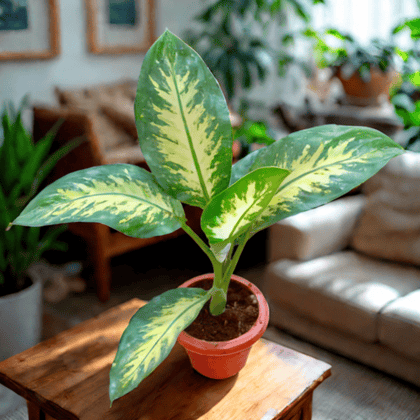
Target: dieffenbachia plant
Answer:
[[186, 137]]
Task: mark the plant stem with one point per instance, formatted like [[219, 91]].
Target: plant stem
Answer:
[[200, 243], [232, 265]]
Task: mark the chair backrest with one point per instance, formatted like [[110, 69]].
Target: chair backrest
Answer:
[[74, 124]]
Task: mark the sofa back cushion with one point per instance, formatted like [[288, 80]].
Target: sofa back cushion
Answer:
[[389, 227]]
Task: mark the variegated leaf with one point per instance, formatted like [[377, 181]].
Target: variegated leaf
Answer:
[[150, 336], [325, 163], [183, 122], [233, 211], [124, 197]]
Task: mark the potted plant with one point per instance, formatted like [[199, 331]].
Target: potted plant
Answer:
[[185, 135], [405, 95], [24, 166], [366, 72]]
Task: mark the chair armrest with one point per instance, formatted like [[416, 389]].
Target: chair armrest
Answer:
[[317, 232]]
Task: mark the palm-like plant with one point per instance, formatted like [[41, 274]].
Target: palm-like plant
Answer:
[[24, 166]]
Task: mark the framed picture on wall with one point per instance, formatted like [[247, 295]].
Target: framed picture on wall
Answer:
[[29, 29], [120, 26]]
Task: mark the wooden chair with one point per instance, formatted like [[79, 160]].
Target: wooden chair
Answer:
[[103, 242]]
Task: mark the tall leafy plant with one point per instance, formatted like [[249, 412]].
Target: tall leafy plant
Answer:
[[406, 96], [186, 137], [232, 38], [24, 166]]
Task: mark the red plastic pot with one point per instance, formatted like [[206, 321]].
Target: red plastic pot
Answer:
[[223, 359]]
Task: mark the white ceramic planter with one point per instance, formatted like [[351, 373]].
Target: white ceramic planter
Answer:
[[20, 329]]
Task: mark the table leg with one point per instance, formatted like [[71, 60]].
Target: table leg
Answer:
[[302, 411], [34, 411], [306, 413]]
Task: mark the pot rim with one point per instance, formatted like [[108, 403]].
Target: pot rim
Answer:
[[36, 284], [237, 344]]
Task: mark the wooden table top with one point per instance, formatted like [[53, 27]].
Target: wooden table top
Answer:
[[67, 376]]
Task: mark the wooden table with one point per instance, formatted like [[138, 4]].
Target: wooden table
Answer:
[[66, 377]]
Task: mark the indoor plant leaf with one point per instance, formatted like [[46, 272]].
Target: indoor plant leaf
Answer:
[[124, 197], [232, 212], [151, 335], [325, 162], [183, 122]]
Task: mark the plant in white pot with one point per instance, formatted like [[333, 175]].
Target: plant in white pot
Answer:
[[185, 135], [24, 166]]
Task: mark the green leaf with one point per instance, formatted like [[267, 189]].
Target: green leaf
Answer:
[[325, 163], [8, 158], [4, 214], [51, 162], [234, 210], [183, 122], [150, 336], [3, 259], [22, 139], [124, 197], [38, 156]]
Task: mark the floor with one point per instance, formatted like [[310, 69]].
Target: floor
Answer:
[[353, 392]]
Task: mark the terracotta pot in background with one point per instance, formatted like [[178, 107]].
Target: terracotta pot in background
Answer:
[[223, 359], [363, 93]]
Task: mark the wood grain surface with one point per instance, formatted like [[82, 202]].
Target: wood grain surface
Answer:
[[67, 377]]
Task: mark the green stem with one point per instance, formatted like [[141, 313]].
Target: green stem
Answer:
[[232, 265], [200, 243]]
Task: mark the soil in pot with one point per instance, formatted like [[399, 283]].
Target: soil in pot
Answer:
[[239, 316]]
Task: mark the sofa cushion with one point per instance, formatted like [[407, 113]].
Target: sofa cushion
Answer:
[[344, 291], [399, 325], [390, 223], [401, 174], [316, 232]]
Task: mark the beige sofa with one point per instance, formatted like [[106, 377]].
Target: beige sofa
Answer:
[[346, 275]]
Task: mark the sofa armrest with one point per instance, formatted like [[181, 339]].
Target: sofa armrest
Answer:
[[314, 233]]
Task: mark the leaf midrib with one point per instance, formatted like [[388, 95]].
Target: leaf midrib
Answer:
[[285, 185], [232, 235], [170, 325], [119, 194], [187, 132]]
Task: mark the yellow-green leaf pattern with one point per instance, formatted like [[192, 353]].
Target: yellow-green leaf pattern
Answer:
[[325, 163], [233, 211], [124, 197], [183, 122], [150, 336]]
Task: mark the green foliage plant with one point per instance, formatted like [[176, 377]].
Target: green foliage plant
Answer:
[[405, 96], [24, 166], [186, 137], [337, 50], [231, 37]]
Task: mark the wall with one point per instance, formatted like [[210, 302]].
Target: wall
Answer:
[[74, 66]]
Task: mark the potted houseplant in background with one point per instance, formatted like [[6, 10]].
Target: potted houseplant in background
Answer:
[[366, 72], [186, 137], [405, 95], [24, 166]]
